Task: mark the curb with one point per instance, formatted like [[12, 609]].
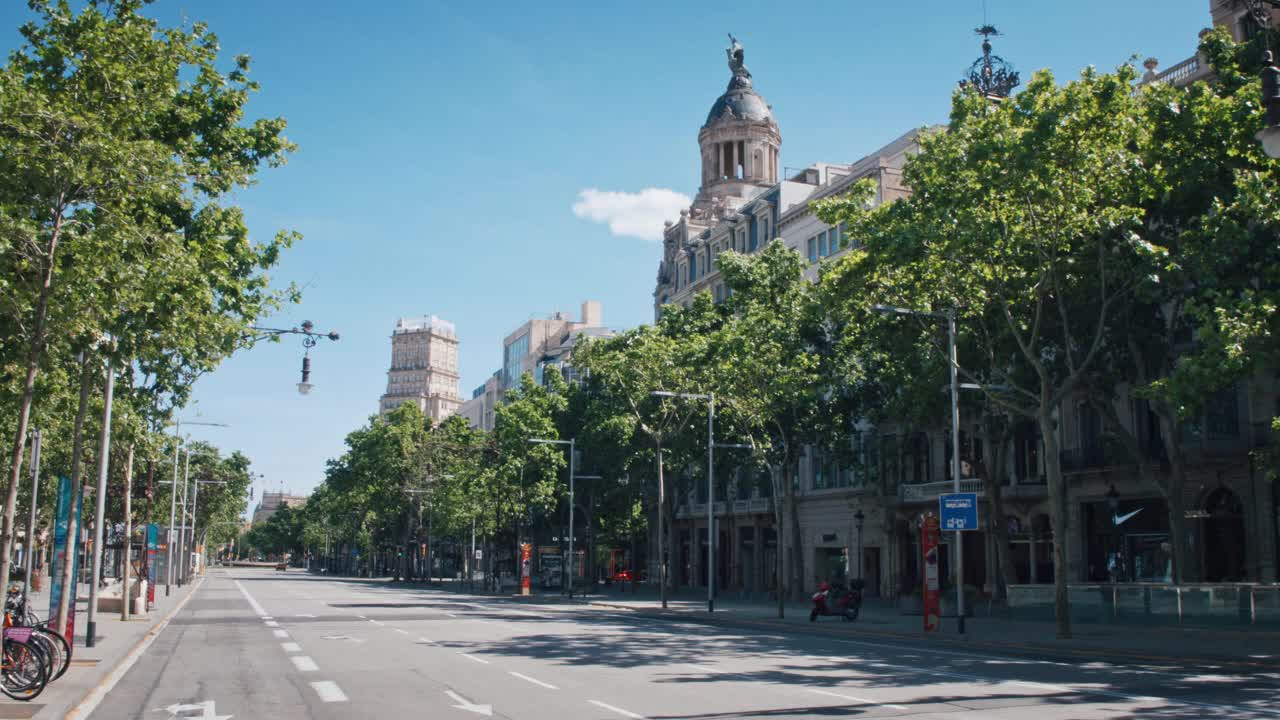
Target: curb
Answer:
[[89, 701], [1093, 652]]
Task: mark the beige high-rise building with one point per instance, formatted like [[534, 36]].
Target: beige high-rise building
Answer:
[[424, 367]]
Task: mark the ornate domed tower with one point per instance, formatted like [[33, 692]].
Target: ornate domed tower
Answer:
[[739, 142]]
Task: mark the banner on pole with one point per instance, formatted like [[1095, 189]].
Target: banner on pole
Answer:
[[153, 545], [64, 548], [929, 551]]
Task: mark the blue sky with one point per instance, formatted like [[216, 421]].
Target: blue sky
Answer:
[[443, 147]]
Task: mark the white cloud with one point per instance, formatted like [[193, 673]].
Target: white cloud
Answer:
[[638, 215]]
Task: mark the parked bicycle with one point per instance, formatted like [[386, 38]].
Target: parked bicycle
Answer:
[[27, 640]]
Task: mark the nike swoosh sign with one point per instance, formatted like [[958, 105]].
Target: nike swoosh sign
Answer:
[[1118, 519]]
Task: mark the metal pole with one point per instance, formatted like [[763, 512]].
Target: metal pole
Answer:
[[572, 454], [29, 565], [128, 533], [955, 463], [662, 538], [711, 503], [181, 569], [104, 450], [195, 503], [173, 509], [471, 568]]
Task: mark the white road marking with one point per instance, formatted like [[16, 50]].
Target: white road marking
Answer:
[[526, 678], [620, 711], [291, 647], [362, 617], [1083, 690], [482, 661], [864, 701], [401, 631], [280, 633], [451, 615], [427, 641], [267, 617], [305, 615], [329, 691], [703, 668], [377, 622], [465, 704], [94, 698], [257, 609], [304, 663], [272, 623]]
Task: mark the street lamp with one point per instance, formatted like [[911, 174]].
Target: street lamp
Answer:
[[173, 496], [858, 519], [952, 365], [711, 486], [1269, 136], [572, 443], [309, 340]]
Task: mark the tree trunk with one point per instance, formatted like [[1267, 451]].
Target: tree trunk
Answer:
[[73, 518], [1172, 440], [779, 561], [35, 353], [1057, 517], [797, 547], [993, 482]]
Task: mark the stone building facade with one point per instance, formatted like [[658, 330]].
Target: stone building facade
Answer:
[[535, 345], [1118, 519], [424, 368]]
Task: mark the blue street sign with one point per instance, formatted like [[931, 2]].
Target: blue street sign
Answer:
[[958, 511]]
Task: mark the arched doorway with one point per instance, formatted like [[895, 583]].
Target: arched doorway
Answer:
[[1224, 537]]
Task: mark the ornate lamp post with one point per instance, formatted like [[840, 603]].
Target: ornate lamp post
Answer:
[[991, 74], [858, 519], [309, 340], [1269, 136]]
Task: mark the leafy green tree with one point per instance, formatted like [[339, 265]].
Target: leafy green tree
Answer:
[[1024, 220], [118, 141], [768, 359]]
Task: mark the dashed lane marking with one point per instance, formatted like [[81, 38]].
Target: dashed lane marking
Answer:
[[852, 698], [618, 710], [468, 656], [304, 663], [329, 691], [291, 647], [280, 633], [535, 681]]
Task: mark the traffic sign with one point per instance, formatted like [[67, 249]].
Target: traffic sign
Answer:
[[958, 511]]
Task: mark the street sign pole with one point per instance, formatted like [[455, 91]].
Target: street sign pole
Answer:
[[955, 462]]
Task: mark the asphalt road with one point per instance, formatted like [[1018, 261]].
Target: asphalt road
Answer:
[[258, 644]]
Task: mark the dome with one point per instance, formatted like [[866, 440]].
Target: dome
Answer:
[[742, 103]]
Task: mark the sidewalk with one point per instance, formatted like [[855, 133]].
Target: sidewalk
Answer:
[[1251, 649], [90, 667], [1241, 648]]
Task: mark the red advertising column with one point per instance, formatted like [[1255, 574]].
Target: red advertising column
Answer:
[[929, 551], [526, 556]]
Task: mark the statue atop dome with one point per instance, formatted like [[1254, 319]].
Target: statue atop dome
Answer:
[[736, 65]]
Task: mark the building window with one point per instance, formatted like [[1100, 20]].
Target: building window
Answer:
[[813, 249]]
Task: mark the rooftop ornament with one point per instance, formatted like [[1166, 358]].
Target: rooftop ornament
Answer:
[[991, 74]]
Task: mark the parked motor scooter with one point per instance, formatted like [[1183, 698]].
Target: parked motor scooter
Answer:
[[846, 604]]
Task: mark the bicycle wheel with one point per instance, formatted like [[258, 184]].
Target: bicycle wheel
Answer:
[[23, 673], [63, 650], [52, 654]]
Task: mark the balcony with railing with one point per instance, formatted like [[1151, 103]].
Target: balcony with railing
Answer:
[[752, 506], [926, 492], [1184, 73]]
